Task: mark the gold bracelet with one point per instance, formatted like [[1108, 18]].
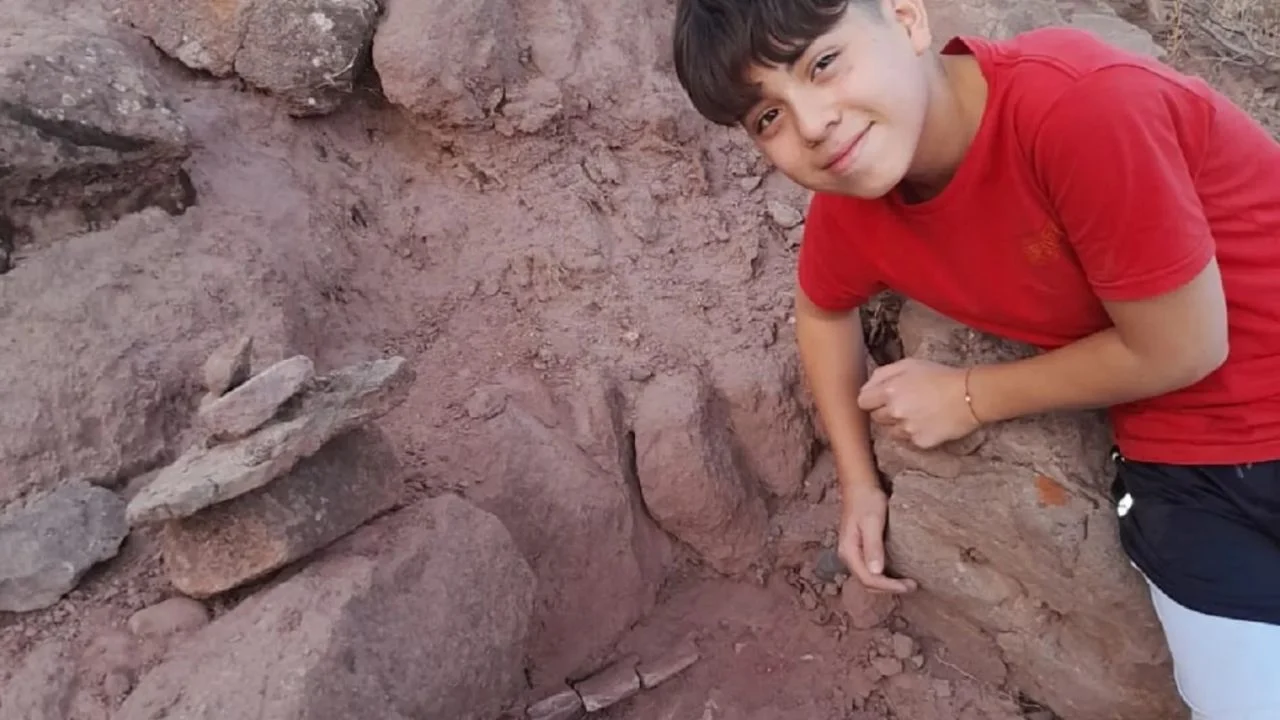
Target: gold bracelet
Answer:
[[968, 397]]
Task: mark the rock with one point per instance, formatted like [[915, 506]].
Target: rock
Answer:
[[353, 478], [691, 482], [866, 609], [829, 566], [52, 541], [485, 403], [201, 35], [519, 67], [423, 614], [44, 687], [336, 403], [84, 129], [598, 558], [308, 53], [773, 432], [472, 57], [675, 661], [1014, 546], [1101, 20], [228, 366], [251, 405], [175, 616], [564, 705], [887, 666], [610, 686], [784, 215], [903, 646]]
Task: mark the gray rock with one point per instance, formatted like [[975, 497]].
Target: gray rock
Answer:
[[307, 52], [84, 127], [353, 478], [424, 614], [564, 705], [228, 366], [610, 686], [51, 542], [254, 403], [337, 403], [675, 661]]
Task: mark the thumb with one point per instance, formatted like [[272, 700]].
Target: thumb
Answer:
[[872, 529]]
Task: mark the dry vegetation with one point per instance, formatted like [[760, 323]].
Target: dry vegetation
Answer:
[[1233, 43]]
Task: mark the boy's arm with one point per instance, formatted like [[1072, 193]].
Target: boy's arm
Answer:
[[1156, 346], [834, 358], [1117, 155]]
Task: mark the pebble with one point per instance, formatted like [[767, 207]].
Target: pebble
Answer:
[[609, 686], [564, 705], [784, 215], [674, 662], [485, 404], [903, 646], [175, 616], [888, 667]]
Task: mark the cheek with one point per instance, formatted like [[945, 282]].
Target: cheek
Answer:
[[782, 152]]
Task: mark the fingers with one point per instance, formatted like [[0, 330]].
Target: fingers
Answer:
[[863, 552], [884, 416]]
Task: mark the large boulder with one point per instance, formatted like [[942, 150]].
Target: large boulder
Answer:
[[597, 557], [692, 475], [104, 339], [86, 133], [1012, 537], [422, 615]]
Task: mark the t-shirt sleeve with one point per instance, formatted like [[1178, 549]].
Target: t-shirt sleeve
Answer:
[[1117, 155], [830, 271]]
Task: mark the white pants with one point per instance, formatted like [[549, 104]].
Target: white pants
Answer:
[[1225, 669]]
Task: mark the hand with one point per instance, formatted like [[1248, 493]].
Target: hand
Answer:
[[921, 402], [862, 540]]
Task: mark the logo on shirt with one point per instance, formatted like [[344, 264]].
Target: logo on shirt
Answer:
[[1044, 246]]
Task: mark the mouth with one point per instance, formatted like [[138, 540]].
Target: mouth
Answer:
[[847, 151]]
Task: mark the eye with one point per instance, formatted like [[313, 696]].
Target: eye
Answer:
[[765, 118], [822, 62]]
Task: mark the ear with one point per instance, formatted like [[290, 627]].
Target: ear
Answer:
[[913, 18]]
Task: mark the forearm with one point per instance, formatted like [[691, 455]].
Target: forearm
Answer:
[[834, 358], [1097, 371]]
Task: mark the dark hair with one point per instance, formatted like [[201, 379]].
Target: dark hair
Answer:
[[717, 41]]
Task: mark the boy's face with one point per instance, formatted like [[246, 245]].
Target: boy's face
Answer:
[[847, 116]]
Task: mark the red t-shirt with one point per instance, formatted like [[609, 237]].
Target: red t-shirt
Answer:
[[1096, 174]]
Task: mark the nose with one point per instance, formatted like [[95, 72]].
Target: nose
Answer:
[[815, 116]]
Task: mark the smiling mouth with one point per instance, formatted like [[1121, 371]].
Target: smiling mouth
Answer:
[[848, 149]]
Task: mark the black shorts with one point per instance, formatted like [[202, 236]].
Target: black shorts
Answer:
[[1206, 535]]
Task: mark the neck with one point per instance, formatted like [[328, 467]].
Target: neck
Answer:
[[957, 97]]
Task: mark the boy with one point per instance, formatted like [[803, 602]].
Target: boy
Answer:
[[1052, 190]]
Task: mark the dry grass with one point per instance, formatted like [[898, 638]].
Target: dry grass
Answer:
[[1233, 43]]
